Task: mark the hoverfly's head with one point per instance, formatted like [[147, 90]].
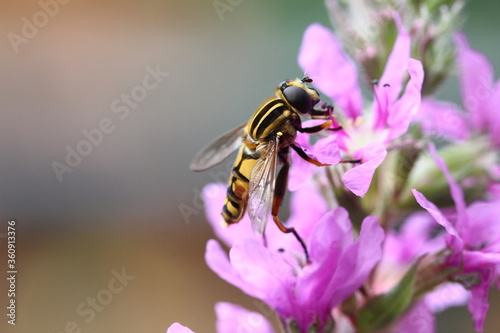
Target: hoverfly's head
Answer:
[[298, 95]]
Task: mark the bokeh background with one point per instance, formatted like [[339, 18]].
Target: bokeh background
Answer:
[[120, 209]]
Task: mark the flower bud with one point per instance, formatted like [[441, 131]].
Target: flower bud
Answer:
[[368, 31]]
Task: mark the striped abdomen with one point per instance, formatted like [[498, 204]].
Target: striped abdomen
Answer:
[[237, 189], [271, 117]]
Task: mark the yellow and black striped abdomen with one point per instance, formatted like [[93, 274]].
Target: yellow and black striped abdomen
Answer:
[[271, 117], [237, 189]]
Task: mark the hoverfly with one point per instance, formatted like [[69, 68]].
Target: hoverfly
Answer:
[[264, 142]]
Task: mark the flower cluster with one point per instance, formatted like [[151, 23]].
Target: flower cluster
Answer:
[[366, 27], [410, 230]]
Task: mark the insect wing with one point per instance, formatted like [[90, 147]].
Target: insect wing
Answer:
[[261, 190], [216, 151]]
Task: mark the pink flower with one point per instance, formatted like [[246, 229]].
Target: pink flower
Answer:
[[443, 119], [178, 328], [325, 150], [306, 294], [480, 94], [307, 207], [480, 98], [402, 248], [321, 56], [419, 319], [474, 238], [233, 318]]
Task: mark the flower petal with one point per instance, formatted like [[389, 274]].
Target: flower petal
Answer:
[[435, 212], [359, 178], [442, 119], [307, 207], [415, 238], [446, 295], [327, 150], [475, 260], [356, 263], [178, 328], [476, 81], [233, 318], [455, 190], [405, 109], [485, 229], [301, 172], [418, 319], [494, 190], [321, 57], [213, 196], [494, 119], [218, 262], [397, 63], [332, 235], [478, 304], [265, 273], [339, 266]]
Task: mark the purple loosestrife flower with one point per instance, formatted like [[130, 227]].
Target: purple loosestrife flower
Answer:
[[325, 150], [443, 119], [365, 28], [480, 98], [303, 296], [367, 137], [178, 328], [480, 94], [307, 207], [478, 121], [232, 318], [401, 249], [474, 239], [419, 319]]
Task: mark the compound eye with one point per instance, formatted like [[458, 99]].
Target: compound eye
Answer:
[[298, 98]]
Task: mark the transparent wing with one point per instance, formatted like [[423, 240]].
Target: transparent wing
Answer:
[[216, 151], [261, 190]]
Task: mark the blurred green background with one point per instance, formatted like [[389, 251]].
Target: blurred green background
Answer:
[[120, 208]]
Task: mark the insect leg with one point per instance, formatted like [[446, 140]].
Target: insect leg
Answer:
[[334, 129], [306, 157], [351, 161], [323, 113], [279, 194], [315, 129], [309, 159]]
